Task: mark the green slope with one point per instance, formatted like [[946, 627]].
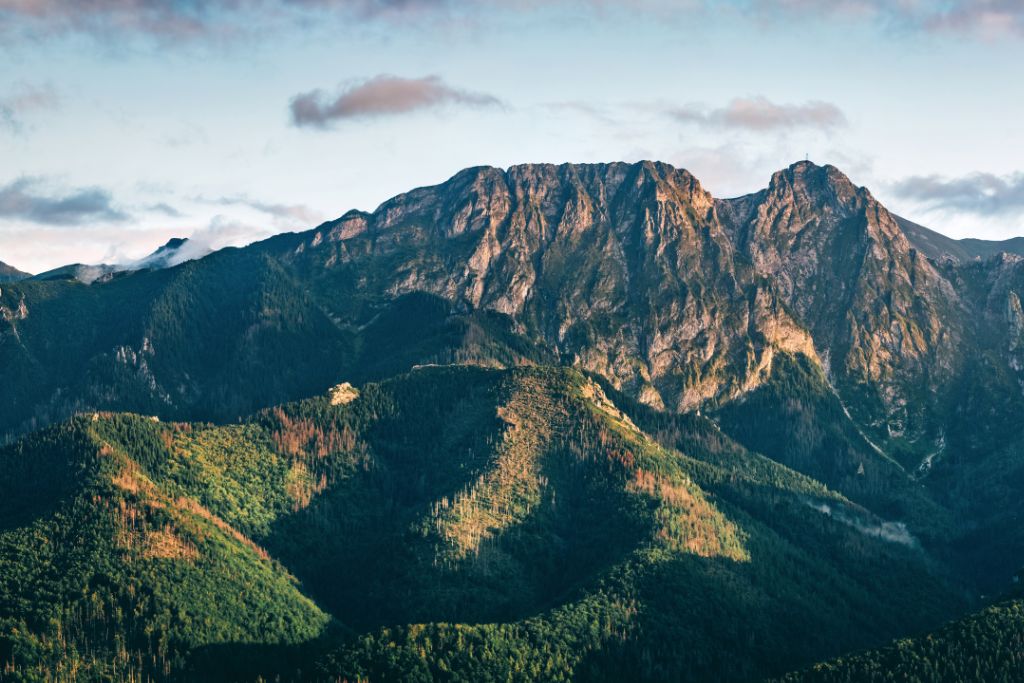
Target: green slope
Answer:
[[217, 339], [986, 646], [104, 576], [457, 523], [749, 556], [796, 419]]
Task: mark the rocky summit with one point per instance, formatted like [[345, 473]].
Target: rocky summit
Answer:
[[575, 422], [681, 300]]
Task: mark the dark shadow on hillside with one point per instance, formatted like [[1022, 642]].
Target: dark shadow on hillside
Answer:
[[247, 662], [813, 587], [422, 329], [42, 473], [699, 619], [379, 548]]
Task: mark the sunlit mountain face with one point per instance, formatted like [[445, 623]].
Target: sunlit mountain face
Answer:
[[547, 421]]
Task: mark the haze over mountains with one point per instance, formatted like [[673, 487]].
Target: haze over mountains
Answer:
[[663, 419], [175, 251]]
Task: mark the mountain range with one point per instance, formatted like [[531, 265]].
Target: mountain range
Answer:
[[544, 423]]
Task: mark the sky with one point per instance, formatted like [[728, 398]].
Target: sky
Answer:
[[124, 123]]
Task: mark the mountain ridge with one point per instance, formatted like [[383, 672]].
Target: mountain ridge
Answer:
[[512, 243], [11, 274], [594, 412], [937, 245], [674, 188], [631, 272]]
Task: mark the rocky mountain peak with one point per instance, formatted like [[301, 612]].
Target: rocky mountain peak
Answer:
[[634, 271], [806, 181]]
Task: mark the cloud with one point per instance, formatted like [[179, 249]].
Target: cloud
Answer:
[[287, 213], [985, 194], [991, 18], [977, 18], [154, 17], [382, 95], [174, 21], [39, 248], [893, 532], [291, 212], [24, 199], [762, 115], [220, 233], [120, 247], [165, 209], [23, 99]]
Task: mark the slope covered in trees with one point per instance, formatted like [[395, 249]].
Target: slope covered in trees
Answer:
[[455, 523], [105, 576], [987, 646]]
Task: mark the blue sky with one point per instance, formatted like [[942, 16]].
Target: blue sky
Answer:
[[124, 123]]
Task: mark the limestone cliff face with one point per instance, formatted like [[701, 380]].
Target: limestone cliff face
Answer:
[[999, 286], [11, 311], [883, 316], [636, 272], [632, 271], [1015, 321]]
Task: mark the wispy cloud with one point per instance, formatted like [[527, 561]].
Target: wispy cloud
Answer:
[[989, 18], [975, 18], [178, 22], [22, 244], [287, 213], [29, 200], [221, 232], [24, 99], [985, 194], [165, 209], [121, 247], [174, 21], [893, 532], [175, 17], [382, 95], [762, 115]]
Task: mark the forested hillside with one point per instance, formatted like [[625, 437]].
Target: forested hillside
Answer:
[[987, 646], [455, 522]]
